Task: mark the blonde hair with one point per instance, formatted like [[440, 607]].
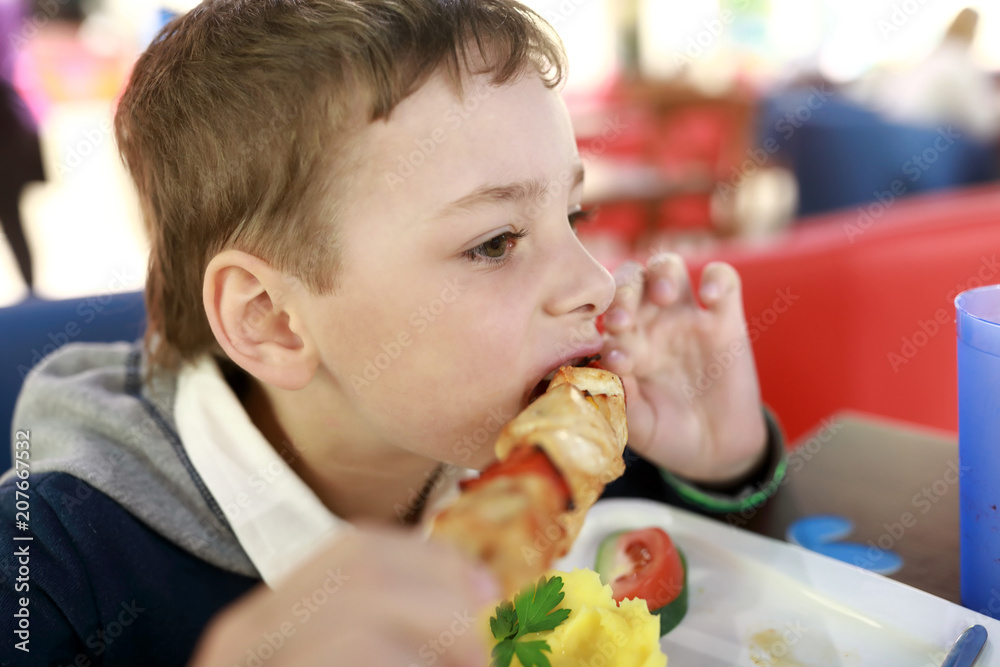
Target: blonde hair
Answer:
[[236, 128]]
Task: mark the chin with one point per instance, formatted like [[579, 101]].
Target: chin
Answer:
[[468, 452], [481, 465]]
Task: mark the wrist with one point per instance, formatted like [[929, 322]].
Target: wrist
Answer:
[[738, 475], [751, 489]]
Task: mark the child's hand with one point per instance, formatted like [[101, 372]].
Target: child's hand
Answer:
[[373, 598], [693, 399]]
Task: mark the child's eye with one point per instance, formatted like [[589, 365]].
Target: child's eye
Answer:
[[497, 250], [580, 215]]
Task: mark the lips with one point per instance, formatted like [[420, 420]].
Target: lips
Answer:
[[590, 355]]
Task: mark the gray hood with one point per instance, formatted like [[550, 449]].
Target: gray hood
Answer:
[[91, 415]]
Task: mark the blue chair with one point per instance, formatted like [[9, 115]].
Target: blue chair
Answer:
[[844, 155], [34, 328]]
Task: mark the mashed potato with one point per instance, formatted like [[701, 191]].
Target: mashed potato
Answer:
[[599, 632]]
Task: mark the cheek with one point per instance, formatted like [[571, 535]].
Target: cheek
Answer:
[[485, 339], [440, 373], [358, 337], [458, 383], [448, 418]]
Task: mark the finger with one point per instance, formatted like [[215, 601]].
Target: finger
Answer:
[[472, 647], [668, 280], [359, 646], [616, 359], [445, 566], [629, 279], [721, 289], [396, 554], [413, 612], [403, 574], [425, 622]]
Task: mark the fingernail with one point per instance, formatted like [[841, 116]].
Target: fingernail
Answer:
[[665, 289], [615, 357], [710, 291], [616, 317]]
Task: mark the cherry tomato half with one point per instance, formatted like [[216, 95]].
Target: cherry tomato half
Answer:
[[642, 564]]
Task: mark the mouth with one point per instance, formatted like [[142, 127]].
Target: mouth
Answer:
[[543, 384]]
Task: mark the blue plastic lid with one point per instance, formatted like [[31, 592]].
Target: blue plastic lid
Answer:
[[978, 322]]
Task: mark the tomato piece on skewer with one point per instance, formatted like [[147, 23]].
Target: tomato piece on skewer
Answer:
[[524, 460]]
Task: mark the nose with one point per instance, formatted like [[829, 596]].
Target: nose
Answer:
[[580, 283]]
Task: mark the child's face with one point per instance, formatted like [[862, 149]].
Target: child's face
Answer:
[[447, 316]]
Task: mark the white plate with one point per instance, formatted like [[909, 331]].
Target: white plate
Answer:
[[760, 602]]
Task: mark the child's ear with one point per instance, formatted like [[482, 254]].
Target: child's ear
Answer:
[[255, 322]]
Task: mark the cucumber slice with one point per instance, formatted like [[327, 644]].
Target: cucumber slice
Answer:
[[672, 613], [606, 556]]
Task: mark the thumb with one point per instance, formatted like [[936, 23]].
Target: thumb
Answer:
[[639, 414], [616, 359]]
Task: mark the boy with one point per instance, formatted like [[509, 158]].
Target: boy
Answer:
[[333, 338]]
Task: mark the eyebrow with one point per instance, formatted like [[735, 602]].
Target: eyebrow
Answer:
[[507, 193]]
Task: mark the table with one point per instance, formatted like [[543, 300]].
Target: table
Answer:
[[897, 482]]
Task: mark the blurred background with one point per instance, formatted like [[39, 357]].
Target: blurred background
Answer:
[[841, 153]]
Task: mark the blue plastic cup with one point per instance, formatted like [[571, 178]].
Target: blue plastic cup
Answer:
[[978, 312]]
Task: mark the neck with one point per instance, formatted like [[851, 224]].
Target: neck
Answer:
[[344, 466]]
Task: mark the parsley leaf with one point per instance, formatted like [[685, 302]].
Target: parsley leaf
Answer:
[[530, 653], [504, 624], [534, 606], [534, 610], [502, 654]]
